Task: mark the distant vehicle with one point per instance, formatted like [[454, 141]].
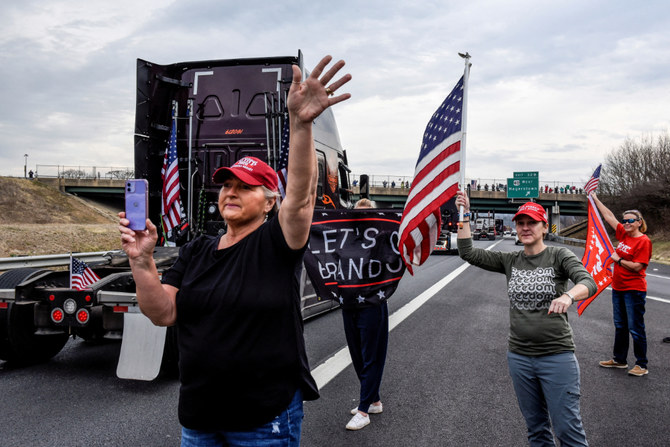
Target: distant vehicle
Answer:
[[446, 244], [485, 228], [500, 227]]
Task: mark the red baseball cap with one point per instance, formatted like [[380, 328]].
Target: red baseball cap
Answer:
[[533, 210], [251, 171]]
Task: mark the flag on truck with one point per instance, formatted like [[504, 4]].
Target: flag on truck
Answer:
[[81, 275], [171, 209], [436, 178], [282, 164], [597, 254], [593, 182]]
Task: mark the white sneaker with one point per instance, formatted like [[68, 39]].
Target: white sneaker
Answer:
[[372, 409], [358, 421]]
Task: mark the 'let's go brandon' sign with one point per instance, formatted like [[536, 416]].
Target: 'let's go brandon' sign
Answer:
[[353, 255]]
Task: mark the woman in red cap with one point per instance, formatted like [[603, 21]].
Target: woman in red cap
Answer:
[[235, 298], [629, 288], [541, 358]]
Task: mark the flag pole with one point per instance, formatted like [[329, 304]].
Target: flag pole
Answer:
[[70, 270], [464, 129], [189, 212]]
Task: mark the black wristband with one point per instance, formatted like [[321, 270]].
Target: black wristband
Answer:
[[619, 262]]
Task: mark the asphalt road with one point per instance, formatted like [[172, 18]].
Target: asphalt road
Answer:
[[445, 384]]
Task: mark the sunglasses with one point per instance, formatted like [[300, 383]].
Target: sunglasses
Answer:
[[629, 221]]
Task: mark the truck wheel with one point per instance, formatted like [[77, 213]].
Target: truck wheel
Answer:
[[170, 363], [18, 342]]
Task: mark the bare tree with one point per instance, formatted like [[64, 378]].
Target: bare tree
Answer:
[[123, 173], [637, 176], [74, 173]]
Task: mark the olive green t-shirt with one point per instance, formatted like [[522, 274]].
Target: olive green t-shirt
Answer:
[[532, 283]]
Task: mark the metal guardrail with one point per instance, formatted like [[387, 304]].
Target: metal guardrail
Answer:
[[52, 260], [567, 240]]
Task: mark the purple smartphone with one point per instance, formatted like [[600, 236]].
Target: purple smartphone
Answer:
[[137, 203]]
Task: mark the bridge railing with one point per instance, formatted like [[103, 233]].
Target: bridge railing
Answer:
[[384, 181], [84, 172], [547, 187], [375, 180]]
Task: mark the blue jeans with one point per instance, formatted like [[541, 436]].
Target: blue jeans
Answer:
[[547, 389], [628, 312], [367, 333], [283, 431]]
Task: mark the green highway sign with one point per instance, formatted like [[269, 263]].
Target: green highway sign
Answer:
[[523, 185], [529, 174]]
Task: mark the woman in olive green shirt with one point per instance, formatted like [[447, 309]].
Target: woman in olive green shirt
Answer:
[[541, 358]]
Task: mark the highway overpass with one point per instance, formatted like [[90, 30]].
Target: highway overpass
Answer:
[[482, 202]]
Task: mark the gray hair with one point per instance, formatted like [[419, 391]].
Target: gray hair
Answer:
[[365, 203], [269, 194]]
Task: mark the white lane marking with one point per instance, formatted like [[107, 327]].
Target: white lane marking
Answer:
[[411, 307], [658, 276], [329, 369]]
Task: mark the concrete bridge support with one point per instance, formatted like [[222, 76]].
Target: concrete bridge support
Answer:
[[553, 211]]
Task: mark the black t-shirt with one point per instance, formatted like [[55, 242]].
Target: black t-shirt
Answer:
[[241, 346]]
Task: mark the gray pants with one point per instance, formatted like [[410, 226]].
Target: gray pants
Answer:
[[547, 388]]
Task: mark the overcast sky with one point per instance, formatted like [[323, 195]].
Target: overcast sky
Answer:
[[554, 85]]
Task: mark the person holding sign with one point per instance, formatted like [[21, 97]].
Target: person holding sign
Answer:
[[629, 288], [541, 358], [235, 297], [366, 327]]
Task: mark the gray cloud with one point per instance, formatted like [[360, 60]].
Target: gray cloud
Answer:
[[554, 85]]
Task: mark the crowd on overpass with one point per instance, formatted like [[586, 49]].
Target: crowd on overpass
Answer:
[[389, 181], [558, 189]]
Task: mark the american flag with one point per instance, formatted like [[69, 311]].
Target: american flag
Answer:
[[436, 178], [282, 164], [597, 254], [81, 275], [171, 204], [592, 184]]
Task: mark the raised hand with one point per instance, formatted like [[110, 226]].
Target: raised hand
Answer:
[[306, 100]]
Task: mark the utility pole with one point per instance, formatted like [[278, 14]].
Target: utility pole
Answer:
[[25, 166]]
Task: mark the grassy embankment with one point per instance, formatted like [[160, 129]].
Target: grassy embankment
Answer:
[[36, 219]]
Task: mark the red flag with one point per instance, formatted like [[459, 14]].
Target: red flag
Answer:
[[436, 177], [597, 255]]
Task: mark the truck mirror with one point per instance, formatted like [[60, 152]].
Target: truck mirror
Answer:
[[364, 187]]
